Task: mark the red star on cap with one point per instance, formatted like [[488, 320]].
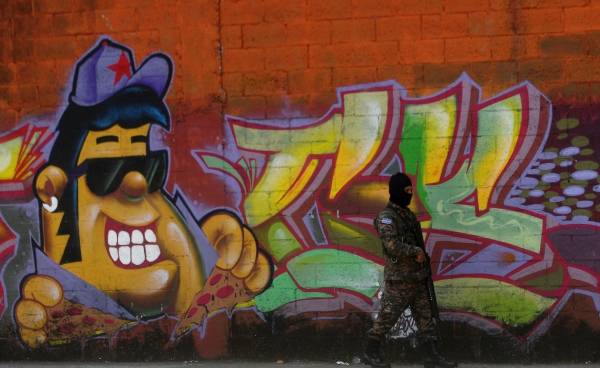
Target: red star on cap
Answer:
[[121, 68]]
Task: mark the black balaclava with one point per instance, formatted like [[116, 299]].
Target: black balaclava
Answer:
[[397, 184]]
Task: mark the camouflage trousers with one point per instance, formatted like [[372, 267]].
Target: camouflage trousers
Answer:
[[398, 295]]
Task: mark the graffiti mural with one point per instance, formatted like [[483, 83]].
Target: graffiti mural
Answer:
[[488, 193], [100, 239], [115, 249]]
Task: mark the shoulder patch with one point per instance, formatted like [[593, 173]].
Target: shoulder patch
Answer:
[[386, 221]]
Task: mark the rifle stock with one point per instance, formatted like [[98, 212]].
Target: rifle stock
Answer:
[[431, 290]]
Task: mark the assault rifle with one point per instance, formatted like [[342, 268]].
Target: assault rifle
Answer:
[[431, 289]]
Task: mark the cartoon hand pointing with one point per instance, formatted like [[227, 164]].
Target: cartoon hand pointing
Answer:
[[242, 270]]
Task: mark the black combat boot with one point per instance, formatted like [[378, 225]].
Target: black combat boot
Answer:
[[433, 358], [373, 355]]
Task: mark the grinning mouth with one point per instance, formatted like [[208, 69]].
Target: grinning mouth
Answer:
[[131, 246]]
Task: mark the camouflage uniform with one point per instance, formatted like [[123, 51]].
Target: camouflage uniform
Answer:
[[401, 235]]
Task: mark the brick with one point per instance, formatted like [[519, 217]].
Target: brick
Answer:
[[27, 96], [539, 21], [231, 36], [264, 35], [233, 84], [115, 4], [265, 83], [406, 75], [395, 28], [329, 9], [313, 105], [440, 75], [242, 11], [582, 70], [252, 107], [113, 21], [144, 43], [286, 58], [8, 119], [315, 32], [540, 70], [515, 47], [52, 6], [505, 4], [25, 26], [493, 72], [193, 14], [73, 23], [356, 54], [349, 76], [22, 49], [6, 50], [28, 72], [411, 51], [163, 18], [454, 6], [593, 43], [372, 8], [445, 25], [7, 73], [582, 19], [21, 7], [169, 39], [491, 23], [352, 30], [550, 3], [567, 45], [281, 11], [468, 49], [56, 48], [243, 60], [309, 80], [420, 7]]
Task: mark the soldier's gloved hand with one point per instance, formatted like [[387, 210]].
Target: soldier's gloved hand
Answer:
[[421, 256]]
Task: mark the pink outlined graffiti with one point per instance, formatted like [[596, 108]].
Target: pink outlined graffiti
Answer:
[[475, 235], [8, 244], [22, 152]]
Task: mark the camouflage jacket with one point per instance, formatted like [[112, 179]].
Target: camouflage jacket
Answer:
[[401, 237]]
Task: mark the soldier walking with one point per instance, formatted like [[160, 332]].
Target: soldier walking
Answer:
[[405, 273]]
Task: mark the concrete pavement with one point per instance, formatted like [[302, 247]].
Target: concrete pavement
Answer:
[[254, 364]]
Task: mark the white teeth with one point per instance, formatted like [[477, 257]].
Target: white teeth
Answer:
[[125, 255], [152, 252], [123, 238], [137, 255], [114, 253], [126, 247], [137, 237], [150, 236], [112, 238]]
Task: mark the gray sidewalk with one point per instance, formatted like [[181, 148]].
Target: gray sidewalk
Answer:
[[248, 364]]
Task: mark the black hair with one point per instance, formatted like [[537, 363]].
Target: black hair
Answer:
[[129, 108]]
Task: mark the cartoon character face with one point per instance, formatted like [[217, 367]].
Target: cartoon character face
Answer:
[[133, 243]]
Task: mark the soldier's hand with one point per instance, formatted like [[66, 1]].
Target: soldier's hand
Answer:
[[38, 294], [421, 256]]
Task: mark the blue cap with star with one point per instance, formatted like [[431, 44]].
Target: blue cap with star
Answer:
[[109, 67]]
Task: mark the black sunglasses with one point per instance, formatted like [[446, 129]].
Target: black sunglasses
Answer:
[[104, 175]]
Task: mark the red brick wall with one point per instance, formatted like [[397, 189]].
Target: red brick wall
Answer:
[[295, 53], [265, 57]]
